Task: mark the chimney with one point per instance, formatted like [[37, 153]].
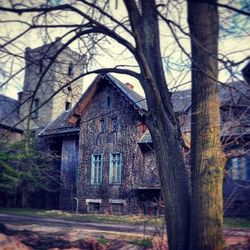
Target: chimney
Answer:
[[19, 95], [129, 85]]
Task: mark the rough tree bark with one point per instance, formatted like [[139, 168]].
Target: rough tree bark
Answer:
[[207, 158], [162, 123]]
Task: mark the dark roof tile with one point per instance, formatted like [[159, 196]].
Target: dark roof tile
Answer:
[[138, 100], [9, 111], [59, 126]]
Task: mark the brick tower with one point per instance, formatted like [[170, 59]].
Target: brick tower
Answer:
[[41, 85]]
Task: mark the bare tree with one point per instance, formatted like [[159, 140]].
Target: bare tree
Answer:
[[139, 34]]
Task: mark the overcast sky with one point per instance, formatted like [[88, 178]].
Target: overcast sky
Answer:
[[234, 44]]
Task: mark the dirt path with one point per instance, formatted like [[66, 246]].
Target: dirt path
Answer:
[[60, 223], [47, 229]]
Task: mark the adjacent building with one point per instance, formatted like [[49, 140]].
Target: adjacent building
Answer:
[[9, 117]]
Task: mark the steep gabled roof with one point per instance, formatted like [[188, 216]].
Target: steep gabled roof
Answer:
[[9, 112], [235, 93], [181, 100], [59, 126], [138, 101], [147, 139]]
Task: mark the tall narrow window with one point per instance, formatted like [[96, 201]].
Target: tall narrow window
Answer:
[[70, 69], [115, 168], [101, 126], [114, 125], [96, 169], [67, 105], [108, 101], [35, 106], [41, 66], [238, 168]]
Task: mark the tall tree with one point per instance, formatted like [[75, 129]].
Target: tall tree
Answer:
[[95, 25], [207, 158], [162, 122]]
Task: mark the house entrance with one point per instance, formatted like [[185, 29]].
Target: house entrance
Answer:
[[150, 200]]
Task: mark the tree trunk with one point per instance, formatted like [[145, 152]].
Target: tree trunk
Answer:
[[207, 158], [174, 179], [161, 122]]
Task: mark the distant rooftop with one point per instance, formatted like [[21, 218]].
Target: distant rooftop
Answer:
[[9, 111], [59, 126], [237, 93]]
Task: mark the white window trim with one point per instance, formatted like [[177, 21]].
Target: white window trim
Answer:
[[92, 201], [111, 168], [92, 169], [117, 201]]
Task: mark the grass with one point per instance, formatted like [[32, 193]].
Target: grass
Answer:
[[111, 219], [103, 240], [237, 222], [98, 218], [145, 243]]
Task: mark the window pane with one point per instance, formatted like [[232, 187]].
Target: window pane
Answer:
[[67, 105], [108, 101], [94, 207], [116, 208], [102, 126], [96, 169], [114, 124], [70, 69], [35, 106], [115, 168], [238, 169]]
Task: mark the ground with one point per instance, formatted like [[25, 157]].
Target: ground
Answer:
[[52, 233]]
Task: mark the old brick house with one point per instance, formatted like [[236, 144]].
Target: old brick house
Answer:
[[115, 160], [107, 153]]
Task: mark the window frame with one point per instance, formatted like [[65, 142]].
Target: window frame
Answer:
[[67, 106], [112, 129], [34, 114], [118, 176], [70, 69], [92, 170], [108, 101], [101, 128], [94, 207], [238, 169]]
